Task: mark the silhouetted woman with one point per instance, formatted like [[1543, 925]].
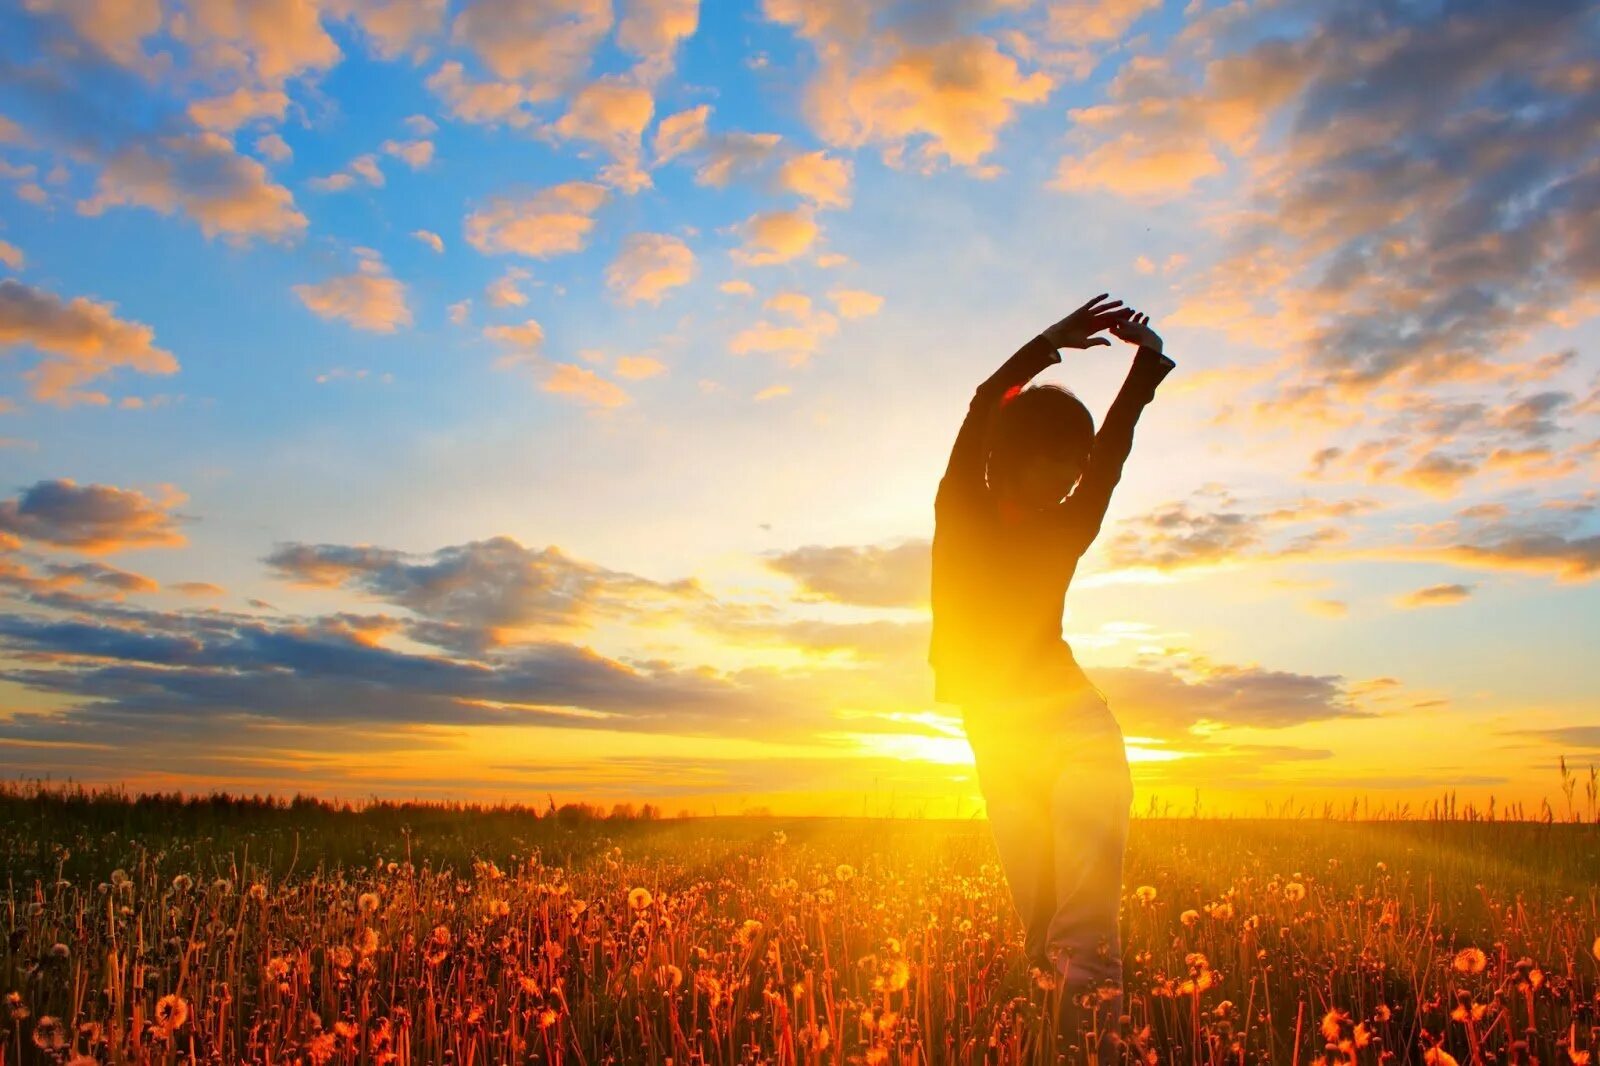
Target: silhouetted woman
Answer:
[[1009, 529]]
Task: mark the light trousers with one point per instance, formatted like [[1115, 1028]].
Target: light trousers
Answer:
[[1055, 778]]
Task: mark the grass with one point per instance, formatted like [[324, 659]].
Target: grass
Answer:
[[217, 929]]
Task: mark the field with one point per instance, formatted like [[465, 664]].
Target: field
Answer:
[[235, 931]]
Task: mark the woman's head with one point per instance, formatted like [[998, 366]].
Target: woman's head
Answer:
[[1039, 445]]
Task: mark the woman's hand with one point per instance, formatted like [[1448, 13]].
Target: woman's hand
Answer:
[[1078, 329], [1136, 330]]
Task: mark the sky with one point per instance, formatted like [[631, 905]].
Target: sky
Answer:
[[510, 401]]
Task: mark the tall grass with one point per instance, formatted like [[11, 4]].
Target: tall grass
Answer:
[[225, 930]]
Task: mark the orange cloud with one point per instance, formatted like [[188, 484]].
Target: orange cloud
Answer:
[[584, 384], [553, 221], [649, 266], [652, 29], [369, 299], [818, 177], [91, 518], [201, 175], [393, 26], [545, 46], [681, 132], [953, 97], [80, 340], [776, 236], [227, 113], [274, 40]]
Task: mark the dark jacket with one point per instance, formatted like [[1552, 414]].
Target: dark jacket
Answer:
[[999, 586]]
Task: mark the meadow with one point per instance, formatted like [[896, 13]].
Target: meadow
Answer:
[[225, 930]]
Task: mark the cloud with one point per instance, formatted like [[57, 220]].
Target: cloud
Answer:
[[895, 575], [639, 367], [78, 340], [581, 383], [1095, 20], [856, 303], [49, 584], [369, 299], [776, 236], [523, 342], [1434, 595], [362, 167], [483, 102], [736, 154], [224, 114], [201, 175], [1415, 202], [393, 26], [652, 30], [545, 46], [91, 518], [681, 132], [272, 40], [553, 221], [612, 114], [1161, 702], [504, 291], [117, 28], [416, 154], [11, 255], [1553, 541], [430, 238], [818, 177], [1210, 529], [274, 148], [909, 80], [797, 339], [649, 266], [496, 583]]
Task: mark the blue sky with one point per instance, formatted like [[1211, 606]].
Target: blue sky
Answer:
[[664, 387]]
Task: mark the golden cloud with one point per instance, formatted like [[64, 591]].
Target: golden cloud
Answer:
[[80, 340]]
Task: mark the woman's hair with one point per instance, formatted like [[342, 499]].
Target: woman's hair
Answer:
[[1039, 420]]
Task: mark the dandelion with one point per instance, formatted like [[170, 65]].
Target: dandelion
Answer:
[[258, 892], [669, 976], [1145, 893], [60, 953], [183, 882], [342, 956], [49, 1034], [172, 1011], [1333, 1024], [779, 837], [1470, 960], [1189, 917], [369, 942], [1294, 892], [748, 932], [1438, 1056], [223, 886], [639, 899], [844, 872], [894, 977], [367, 902], [547, 1018]]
